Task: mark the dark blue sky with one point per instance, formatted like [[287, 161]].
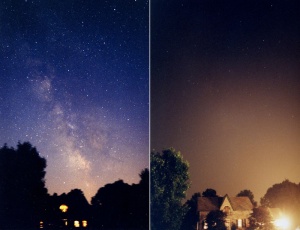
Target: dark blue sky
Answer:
[[74, 80]]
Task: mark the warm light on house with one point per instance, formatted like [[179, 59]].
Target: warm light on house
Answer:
[[63, 208], [66, 222], [240, 223], [76, 224], [84, 223], [282, 222]]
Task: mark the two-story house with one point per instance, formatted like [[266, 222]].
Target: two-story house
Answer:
[[237, 209]]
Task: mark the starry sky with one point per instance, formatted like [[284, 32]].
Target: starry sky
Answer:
[[74, 82], [225, 91]]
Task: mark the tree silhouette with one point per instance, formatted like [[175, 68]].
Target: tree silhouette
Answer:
[[192, 216], [111, 206], [216, 220], [24, 200], [249, 194], [145, 178], [260, 218], [78, 206], [140, 201], [286, 196], [169, 183], [209, 193], [78, 209], [122, 206], [22, 187]]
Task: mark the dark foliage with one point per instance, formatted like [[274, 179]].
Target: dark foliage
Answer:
[[192, 216], [78, 205], [22, 187], [249, 194], [122, 206], [25, 203], [209, 193], [216, 220], [169, 183], [286, 196], [261, 219], [78, 209]]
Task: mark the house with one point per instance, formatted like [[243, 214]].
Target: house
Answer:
[[238, 210]]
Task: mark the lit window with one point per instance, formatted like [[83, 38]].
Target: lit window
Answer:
[[240, 223], [41, 224], [84, 223], [66, 222], [76, 224]]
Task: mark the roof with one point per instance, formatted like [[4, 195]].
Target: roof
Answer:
[[209, 203], [215, 203], [241, 203]]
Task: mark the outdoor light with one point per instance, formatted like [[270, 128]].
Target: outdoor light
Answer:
[[63, 208], [283, 223]]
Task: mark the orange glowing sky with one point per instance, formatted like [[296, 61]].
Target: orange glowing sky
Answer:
[[225, 91]]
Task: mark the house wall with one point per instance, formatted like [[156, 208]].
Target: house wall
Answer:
[[231, 219], [202, 216], [225, 203], [235, 216]]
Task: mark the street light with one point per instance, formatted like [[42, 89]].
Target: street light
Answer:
[[283, 223]]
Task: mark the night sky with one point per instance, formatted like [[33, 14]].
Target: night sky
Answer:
[[225, 90], [74, 82]]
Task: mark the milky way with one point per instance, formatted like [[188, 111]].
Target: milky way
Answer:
[[74, 83]]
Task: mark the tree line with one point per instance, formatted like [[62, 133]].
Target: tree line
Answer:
[[26, 204], [170, 182]]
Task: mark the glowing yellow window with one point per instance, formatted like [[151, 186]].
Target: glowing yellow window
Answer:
[[76, 224], [41, 224], [240, 223], [84, 223]]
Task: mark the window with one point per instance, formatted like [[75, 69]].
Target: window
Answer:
[[84, 223], [240, 223], [204, 225], [66, 222], [41, 224], [76, 224], [226, 210]]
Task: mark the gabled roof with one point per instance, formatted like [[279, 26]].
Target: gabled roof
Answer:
[[215, 203], [241, 203], [209, 203]]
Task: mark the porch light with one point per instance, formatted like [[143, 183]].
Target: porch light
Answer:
[[63, 208]]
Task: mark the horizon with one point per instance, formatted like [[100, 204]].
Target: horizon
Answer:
[[225, 91], [74, 83]]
